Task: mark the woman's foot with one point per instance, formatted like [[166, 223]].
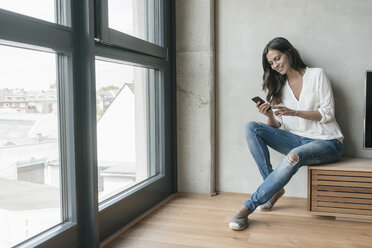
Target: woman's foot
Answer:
[[240, 220], [270, 203]]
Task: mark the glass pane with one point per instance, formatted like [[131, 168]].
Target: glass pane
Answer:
[[41, 9], [134, 17], [29, 152], [123, 126]]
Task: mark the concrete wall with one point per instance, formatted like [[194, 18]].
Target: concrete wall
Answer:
[[331, 34], [195, 95]]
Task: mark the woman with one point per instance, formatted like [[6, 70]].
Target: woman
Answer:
[[302, 104]]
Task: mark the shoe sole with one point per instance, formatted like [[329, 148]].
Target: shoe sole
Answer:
[[264, 209], [238, 228]]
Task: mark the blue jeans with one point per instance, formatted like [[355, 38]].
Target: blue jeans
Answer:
[[307, 151]]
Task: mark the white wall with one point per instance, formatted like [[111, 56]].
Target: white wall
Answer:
[[332, 34]]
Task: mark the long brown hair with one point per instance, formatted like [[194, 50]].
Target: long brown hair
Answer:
[[273, 81]]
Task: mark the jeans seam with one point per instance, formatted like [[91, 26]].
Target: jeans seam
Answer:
[[276, 134], [262, 152]]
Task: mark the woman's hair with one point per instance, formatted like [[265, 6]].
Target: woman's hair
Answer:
[[273, 81]]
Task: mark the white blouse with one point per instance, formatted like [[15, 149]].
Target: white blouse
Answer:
[[316, 94]]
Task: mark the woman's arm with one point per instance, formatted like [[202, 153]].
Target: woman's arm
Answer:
[[264, 109], [309, 115], [324, 112], [273, 122], [313, 115], [326, 98]]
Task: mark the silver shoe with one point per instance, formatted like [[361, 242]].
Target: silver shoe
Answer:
[[238, 222]]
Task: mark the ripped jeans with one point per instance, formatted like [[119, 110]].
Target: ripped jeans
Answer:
[[298, 150]]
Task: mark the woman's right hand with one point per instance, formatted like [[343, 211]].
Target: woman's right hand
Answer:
[[264, 109]]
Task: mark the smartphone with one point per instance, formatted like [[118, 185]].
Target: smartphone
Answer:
[[259, 99]]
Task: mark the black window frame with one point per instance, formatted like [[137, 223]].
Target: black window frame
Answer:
[[112, 44], [79, 42]]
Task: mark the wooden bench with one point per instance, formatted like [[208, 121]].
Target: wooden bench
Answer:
[[342, 189]]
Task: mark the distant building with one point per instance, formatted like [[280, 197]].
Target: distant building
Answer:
[[116, 142], [19, 100], [104, 98]]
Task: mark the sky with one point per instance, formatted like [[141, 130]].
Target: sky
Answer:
[[28, 69], [35, 70], [19, 67], [42, 9], [121, 15], [108, 73], [120, 11]]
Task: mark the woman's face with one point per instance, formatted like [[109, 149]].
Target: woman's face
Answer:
[[278, 61]]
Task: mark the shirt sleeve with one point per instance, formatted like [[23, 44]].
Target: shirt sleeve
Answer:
[[326, 99]]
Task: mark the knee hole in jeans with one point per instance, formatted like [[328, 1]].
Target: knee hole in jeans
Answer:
[[292, 158]]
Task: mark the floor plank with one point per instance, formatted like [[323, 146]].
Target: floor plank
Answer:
[[196, 220]]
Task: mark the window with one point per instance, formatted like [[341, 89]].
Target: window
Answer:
[[138, 18], [62, 89], [29, 146], [132, 42], [137, 25], [42, 9], [47, 10], [123, 126]]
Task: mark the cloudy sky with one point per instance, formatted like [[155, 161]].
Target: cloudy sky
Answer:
[[34, 70]]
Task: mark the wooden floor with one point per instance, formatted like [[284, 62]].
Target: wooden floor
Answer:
[[192, 220]]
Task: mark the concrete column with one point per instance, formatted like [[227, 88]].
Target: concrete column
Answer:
[[195, 58]]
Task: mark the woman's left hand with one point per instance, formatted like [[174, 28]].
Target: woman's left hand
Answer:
[[284, 111]]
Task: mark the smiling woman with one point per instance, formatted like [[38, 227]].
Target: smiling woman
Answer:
[[303, 106], [278, 58]]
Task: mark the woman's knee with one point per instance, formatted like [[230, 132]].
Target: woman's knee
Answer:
[[251, 127], [292, 158]]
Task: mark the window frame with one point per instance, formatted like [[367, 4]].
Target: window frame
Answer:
[[27, 32], [106, 35], [128, 201], [77, 41], [155, 147], [140, 198]]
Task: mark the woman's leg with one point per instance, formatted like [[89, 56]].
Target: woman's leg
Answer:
[[259, 136], [312, 153]]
